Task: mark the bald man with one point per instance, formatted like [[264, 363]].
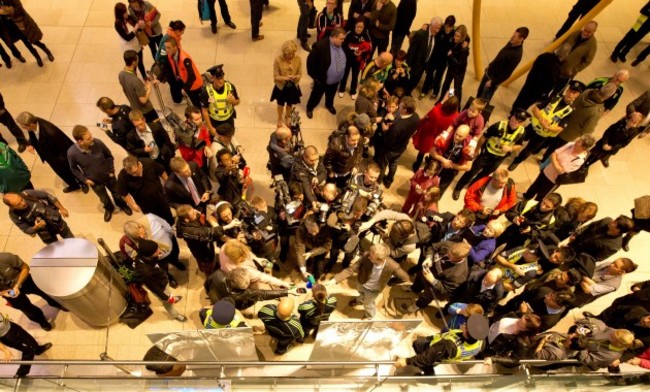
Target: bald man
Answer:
[[280, 149], [618, 79], [38, 213], [282, 324], [377, 69]]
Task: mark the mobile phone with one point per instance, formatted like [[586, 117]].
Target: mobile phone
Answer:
[[301, 290], [451, 92]]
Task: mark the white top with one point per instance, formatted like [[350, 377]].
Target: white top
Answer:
[[372, 283], [567, 159], [492, 196], [505, 325]]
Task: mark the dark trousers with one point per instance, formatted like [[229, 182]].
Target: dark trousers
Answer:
[[416, 75], [381, 44], [387, 160], [8, 121], [341, 182], [428, 292], [630, 39], [256, 16], [396, 43], [541, 187], [151, 116], [317, 94], [195, 97], [22, 302], [141, 68], [283, 344], [535, 144], [172, 258], [13, 30], [486, 92], [420, 345], [62, 169], [434, 76], [19, 339], [100, 191], [317, 265], [644, 54], [303, 21], [4, 55], [457, 77], [225, 14], [599, 154], [483, 166], [154, 43], [176, 90], [446, 178], [338, 242], [350, 67], [50, 234], [580, 9]]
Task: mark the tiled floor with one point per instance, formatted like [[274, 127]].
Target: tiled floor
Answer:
[[81, 36]]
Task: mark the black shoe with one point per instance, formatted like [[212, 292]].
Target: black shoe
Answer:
[[21, 59], [331, 109], [108, 214], [305, 46], [456, 194], [85, 188], [622, 58], [69, 189], [46, 326], [613, 57], [22, 147], [605, 162], [231, 25], [179, 265], [50, 56], [634, 63], [39, 61], [513, 166], [127, 210], [300, 340], [214, 29], [8, 64], [625, 247], [172, 282], [387, 183], [43, 348], [310, 114]]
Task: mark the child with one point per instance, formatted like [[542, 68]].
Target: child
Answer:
[[428, 204], [422, 180], [399, 74], [473, 118], [315, 310]]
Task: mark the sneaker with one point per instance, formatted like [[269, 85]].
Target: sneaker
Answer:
[[354, 96], [181, 318], [340, 94]]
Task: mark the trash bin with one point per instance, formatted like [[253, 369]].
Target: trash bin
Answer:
[[76, 275]]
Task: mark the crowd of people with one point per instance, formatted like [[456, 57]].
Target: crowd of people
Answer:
[[506, 267]]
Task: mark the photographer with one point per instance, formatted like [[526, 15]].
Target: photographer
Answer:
[[343, 156], [312, 242], [199, 236], [290, 213], [118, 118], [227, 174], [265, 221], [281, 152], [193, 138], [344, 226], [225, 138], [400, 237], [310, 173], [38, 213], [365, 185]]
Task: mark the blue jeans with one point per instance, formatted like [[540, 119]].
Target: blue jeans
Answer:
[[367, 298]]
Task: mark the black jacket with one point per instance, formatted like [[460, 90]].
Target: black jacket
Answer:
[[176, 192], [595, 241], [318, 60], [135, 145], [52, 144], [504, 63], [406, 10]]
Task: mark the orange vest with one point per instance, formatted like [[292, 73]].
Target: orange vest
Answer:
[[181, 72]]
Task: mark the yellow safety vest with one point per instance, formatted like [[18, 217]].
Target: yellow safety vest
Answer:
[[529, 206], [209, 322], [464, 350], [641, 20], [494, 143], [220, 109], [552, 116]]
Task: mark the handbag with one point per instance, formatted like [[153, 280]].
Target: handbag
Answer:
[[642, 207], [143, 38], [575, 177]]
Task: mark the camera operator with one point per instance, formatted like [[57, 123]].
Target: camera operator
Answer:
[[400, 237], [313, 241], [222, 216], [310, 173], [38, 213], [364, 185], [344, 225], [227, 174], [225, 138], [199, 237], [290, 213], [281, 153], [266, 222], [193, 139], [343, 156]]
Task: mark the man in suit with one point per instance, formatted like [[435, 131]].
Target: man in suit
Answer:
[[149, 140], [52, 145], [374, 270], [187, 185], [642, 105], [8, 121], [421, 48], [326, 64]]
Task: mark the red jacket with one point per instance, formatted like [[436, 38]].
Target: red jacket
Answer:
[[430, 127], [475, 191]]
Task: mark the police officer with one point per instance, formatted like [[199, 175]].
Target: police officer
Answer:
[[218, 100], [455, 345], [221, 315], [498, 141], [549, 119]]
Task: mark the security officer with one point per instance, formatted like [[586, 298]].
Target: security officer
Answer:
[[221, 315], [455, 345], [218, 100], [14, 336], [548, 120], [499, 140]]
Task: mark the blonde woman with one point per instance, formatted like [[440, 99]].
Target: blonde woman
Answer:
[[287, 71], [235, 254]]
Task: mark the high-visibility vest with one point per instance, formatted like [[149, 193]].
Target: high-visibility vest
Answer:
[[220, 109], [181, 72], [529, 206], [209, 322], [552, 116], [494, 143], [464, 350]]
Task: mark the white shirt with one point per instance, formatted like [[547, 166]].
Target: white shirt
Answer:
[[147, 138], [505, 325], [491, 196], [372, 283]]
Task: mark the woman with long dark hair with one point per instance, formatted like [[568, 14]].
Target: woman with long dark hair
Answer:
[[128, 28]]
